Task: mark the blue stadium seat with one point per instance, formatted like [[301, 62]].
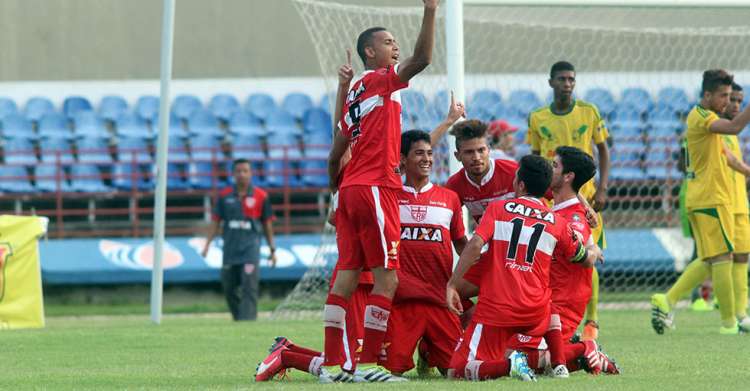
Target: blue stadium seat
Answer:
[[244, 123], [184, 105], [626, 131], [126, 176], [524, 101], [502, 111], [441, 103], [603, 100], [484, 98], [327, 101], [275, 172], [178, 150], [147, 107], [37, 107], [317, 120], [424, 119], [54, 125], [627, 114], [636, 98], [87, 124], [248, 146], [111, 107], [175, 127], [74, 104], [317, 145], [46, 176], [176, 177], [19, 151], [132, 126], [296, 103], [202, 176], [50, 149], [314, 172], [662, 112], [664, 129], [627, 173], [260, 105], [223, 106], [133, 147], [15, 179], [93, 150], [281, 122], [206, 148], [282, 145], [674, 97], [17, 126], [87, 178], [412, 100], [7, 107], [479, 112], [203, 123]]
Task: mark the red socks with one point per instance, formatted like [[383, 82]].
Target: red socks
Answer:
[[572, 353], [556, 348], [301, 361], [376, 322], [483, 370], [334, 315]]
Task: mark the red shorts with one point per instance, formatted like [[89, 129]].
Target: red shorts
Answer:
[[571, 315], [492, 343], [367, 228], [409, 322]]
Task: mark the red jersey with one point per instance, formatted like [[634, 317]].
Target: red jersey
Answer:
[[430, 221], [570, 281], [523, 236], [496, 185], [371, 119]]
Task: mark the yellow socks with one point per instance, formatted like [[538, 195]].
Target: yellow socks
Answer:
[[592, 309], [694, 274], [724, 290], [739, 279]]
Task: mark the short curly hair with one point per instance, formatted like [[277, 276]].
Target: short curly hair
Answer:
[[468, 130]]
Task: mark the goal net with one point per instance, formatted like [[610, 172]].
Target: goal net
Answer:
[[641, 66]]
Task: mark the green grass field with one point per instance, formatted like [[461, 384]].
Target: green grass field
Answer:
[[211, 352]]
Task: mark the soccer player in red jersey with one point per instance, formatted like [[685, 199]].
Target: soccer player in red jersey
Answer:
[[367, 218], [431, 226], [523, 235]]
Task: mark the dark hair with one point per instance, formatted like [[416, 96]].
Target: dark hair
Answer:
[[536, 173], [579, 163], [467, 130], [237, 162], [736, 87], [714, 78], [364, 40], [410, 137], [559, 67]]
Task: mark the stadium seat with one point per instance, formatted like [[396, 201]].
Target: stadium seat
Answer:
[[260, 105], [87, 124], [129, 148], [317, 145], [279, 174], [19, 151], [54, 125], [87, 178], [223, 106], [627, 173], [603, 100], [281, 122], [626, 131], [176, 177], [7, 107], [248, 146], [126, 176], [15, 179], [524, 101], [178, 150], [316, 120], [412, 100], [54, 148], [184, 105], [132, 126], [484, 98], [296, 104], [46, 178], [203, 176], [175, 127], [440, 103], [479, 112], [283, 145], [326, 101], [502, 111], [17, 126], [663, 129], [206, 148], [74, 104], [674, 97], [636, 98], [147, 107], [662, 112], [314, 172], [203, 123], [93, 150], [111, 107], [37, 107], [627, 114], [244, 123], [424, 119]]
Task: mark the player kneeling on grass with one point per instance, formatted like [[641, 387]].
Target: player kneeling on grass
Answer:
[[523, 235], [431, 225]]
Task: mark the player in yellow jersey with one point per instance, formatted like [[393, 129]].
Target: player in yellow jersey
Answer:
[[710, 203], [572, 122]]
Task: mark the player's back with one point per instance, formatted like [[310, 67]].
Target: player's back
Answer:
[[496, 185], [372, 121], [523, 236], [708, 175], [570, 281]]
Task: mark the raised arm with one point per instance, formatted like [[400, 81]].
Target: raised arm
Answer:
[[455, 111], [422, 55], [734, 126], [340, 142]]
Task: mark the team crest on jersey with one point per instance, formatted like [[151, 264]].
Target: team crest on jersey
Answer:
[[576, 217], [5, 253], [426, 234], [250, 202], [418, 212]]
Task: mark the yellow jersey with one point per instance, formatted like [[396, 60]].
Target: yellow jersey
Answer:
[[739, 194], [578, 128], [709, 177]]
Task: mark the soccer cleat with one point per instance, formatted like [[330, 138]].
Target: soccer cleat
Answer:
[[376, 374], [519, 367], [575, 338], [609, 365], [279, 341], [730, 330], [560, 372], [590, 331], [334, 375], [661, 315], [701, 305], [271, 366], [744, 325], [591, 360]]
